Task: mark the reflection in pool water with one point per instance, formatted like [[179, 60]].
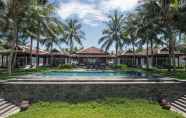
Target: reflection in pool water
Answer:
[[110, 74]]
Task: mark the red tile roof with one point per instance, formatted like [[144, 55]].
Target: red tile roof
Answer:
[[26, 49], [91, 50], [156, 51]]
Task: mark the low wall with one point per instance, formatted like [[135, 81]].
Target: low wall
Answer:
[[48, 92]]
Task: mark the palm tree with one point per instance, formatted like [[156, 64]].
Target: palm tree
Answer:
[[130, 35], [73, 33], [151, 25], [39, 15], [113, 33], [23, 17], [55, 36], [12, 11], [169, 9]]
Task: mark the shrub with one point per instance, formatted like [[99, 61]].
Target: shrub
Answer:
[[124, 66], [65, 66], [120, 66]]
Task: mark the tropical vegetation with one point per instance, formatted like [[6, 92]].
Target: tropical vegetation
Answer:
[[108, 108], [154, 23], [24, 20]]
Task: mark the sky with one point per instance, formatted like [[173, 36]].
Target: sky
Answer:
[[92, 14]]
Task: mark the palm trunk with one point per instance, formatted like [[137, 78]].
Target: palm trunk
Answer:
[[134, 55], [169, 59], [37, 51], [12, 43], [31, 45], [116, 61], [12, 51], [173, 53], [147, 55], [37, 47], [172, 60], [10, 61], [15, 53], [152, 52], [14, 58], [51, 57]]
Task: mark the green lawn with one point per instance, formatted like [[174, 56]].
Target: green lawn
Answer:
[[109, 108], [18, 72], [180, 73]]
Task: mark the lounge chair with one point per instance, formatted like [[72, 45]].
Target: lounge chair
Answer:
[[27, 67]]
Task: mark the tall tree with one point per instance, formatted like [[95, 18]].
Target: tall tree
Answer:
[[130, 34], [73, 33], [55, 36], [11, 13], [113, 33], [40, 14]]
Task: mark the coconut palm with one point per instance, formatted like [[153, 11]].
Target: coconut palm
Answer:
[[73, 33], [41, 12], [113, 33], [55, 36], [11, 15], [167, 14], [130, 30], [23, 17], [157, 18], [39, 17]]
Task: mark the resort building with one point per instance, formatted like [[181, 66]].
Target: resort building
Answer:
[[92, 57], [158, 57], [23, 57]]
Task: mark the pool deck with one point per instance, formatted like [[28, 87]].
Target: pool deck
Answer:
[[89, 81], [38, 78]]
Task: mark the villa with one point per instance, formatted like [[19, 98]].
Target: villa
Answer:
[[93, 57], [158, 57]]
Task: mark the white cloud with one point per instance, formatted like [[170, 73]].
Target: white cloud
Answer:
[[94, 13], [85, 12], [123, 5]]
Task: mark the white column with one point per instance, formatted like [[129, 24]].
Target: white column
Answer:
[[66, 60], [150, 62]]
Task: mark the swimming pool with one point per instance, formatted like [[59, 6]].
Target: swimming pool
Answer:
[[94, 74]]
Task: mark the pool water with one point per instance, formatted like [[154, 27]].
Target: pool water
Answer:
[[95, 74]]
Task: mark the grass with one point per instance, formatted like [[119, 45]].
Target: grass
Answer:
[[109, 108], [180, 73], [18, 72]]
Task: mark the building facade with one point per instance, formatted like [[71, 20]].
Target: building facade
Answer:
[[158, 57], [92, 57]]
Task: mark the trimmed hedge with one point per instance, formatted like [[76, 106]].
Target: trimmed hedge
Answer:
[[66, 66], [120, 66]]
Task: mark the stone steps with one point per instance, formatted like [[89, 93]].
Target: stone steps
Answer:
[[7, 108], [179, 105]]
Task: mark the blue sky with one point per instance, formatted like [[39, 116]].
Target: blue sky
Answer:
[[92, 14]]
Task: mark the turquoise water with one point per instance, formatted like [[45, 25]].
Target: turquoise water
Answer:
[[95, 74]]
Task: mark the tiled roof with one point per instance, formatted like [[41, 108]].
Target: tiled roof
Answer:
[[156, 51], [56, 52], [25, 49], [91, 50]]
